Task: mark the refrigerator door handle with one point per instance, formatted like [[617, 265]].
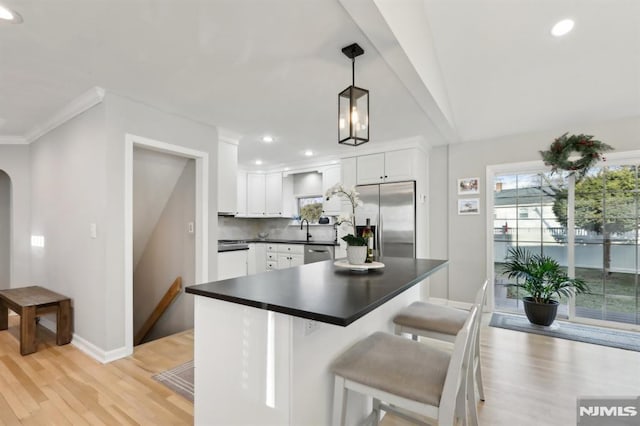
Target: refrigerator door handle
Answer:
[[380, 237]]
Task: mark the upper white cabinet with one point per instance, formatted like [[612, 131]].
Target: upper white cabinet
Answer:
[[392, 166], [256, 197], [227, 176], [330, 176], [264, 194], [241, 203], [273, 186], [348, 172]]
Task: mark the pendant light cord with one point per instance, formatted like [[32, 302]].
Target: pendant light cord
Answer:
[[353, 72]]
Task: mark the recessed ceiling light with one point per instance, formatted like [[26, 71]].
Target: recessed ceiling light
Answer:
[[267, 139], [286, 169], [9, 15], [563, 27], [258, 162], [334, 162], [308, 153]]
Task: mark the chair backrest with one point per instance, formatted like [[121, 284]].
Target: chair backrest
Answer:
[[457, 371], [481, 295]]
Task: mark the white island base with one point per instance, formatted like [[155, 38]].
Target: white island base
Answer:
[[258, 367]]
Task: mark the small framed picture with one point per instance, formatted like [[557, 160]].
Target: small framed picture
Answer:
[[468, 186], [468, 206]]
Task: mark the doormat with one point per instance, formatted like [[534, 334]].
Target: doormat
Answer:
[[178, 379], [621, 339]]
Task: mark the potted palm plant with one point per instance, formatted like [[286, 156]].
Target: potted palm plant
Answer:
[[544, 280]]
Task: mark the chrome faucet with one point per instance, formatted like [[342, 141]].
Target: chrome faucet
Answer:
[[301, 224]]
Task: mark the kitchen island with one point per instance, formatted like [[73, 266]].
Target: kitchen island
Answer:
[[264, 343]]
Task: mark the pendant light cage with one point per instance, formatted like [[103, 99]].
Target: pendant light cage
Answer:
[[353, 106]]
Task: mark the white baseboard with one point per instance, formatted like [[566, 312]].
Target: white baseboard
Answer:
[[87, 347]]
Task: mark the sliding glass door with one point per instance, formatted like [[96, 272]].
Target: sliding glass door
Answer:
[[606, 243], [533, 211], [524, 217]]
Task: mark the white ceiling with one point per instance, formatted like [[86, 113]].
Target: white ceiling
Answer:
[[256, 67]]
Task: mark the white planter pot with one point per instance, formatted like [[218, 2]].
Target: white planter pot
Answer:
[[356, 255]]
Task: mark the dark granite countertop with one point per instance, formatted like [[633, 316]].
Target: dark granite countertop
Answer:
[[232, 247], [321, 291], [311, 242]]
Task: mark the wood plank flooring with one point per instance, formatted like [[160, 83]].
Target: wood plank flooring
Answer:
[[63, 386], [529, 380]]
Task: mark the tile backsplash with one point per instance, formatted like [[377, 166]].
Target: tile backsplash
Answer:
[[231, 228]]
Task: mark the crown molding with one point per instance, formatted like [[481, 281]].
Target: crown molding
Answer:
[[13, 140], [88, 99], [228, 136]]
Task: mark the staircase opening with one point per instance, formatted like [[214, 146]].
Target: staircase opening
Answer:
[[164, 242]]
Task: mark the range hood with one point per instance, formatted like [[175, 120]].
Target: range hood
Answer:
[[232, 214]]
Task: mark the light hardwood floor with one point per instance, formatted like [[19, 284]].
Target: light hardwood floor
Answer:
[[529, 380]]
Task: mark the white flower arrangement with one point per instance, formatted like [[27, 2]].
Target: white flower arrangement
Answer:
[[352, 195]]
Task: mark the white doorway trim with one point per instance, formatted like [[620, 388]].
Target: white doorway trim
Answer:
[[202, 213]]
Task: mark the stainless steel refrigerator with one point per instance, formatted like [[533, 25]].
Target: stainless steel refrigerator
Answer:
[[391, 208]]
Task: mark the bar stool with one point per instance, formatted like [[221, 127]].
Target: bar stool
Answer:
[[442, 323], [407, 377]]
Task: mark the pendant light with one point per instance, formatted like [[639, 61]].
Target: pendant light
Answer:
[[353, 106]]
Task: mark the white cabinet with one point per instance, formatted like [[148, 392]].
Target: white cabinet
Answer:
[[256, 196], [282, 256], [273, 189], [227, 176], [330, 176], [264, 194], [232, 264], [392, 166], [241, 203], [256, 261], [348, 172]]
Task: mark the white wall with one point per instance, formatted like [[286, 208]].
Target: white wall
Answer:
[[5, 230], [169, 253], [126, 116], [78, 179], [155, 175], [67, 188], [468, 234], [14, 161]]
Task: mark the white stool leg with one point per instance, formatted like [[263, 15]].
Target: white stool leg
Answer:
[[478, 373], [339, 401]]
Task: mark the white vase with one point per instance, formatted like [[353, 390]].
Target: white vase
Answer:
[[356, 255]]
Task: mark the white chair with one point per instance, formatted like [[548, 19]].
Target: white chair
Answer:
[[442, 323], [407, 377]]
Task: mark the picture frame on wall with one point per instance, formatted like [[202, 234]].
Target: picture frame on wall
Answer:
[[468, 186], [467, 206]]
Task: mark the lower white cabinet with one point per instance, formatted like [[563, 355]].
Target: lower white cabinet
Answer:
[[256, 262], [232, 264], [282, 256]]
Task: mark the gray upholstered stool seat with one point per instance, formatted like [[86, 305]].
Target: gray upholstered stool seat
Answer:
[[396, 365], [429, 316]]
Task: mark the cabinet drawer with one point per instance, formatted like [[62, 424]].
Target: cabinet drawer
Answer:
[[272, 257], [291, 248], [272, 247], [271, 265]]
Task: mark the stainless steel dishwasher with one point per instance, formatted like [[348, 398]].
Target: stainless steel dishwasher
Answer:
[[317, 253]]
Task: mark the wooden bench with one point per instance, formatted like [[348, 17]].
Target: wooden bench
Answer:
[[29, 303]]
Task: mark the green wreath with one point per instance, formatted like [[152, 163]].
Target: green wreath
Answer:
[[590, 150]]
